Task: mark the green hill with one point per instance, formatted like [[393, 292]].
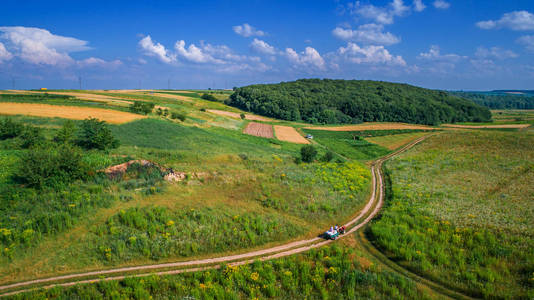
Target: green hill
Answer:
[[353, 101]]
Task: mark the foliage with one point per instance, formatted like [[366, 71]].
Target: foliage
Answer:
[[325, 273], [328, 156], [352, 101], [67, 133], [142, 107], [499, 100], [208, 97], [468, 193], [95, 134], [308, 153], [242, 116], [51, 166], [10, 129], [178, 115]]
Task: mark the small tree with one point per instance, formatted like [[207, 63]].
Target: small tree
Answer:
[[178, 115], [140, 107], [328, 156], [95, 134], [208, 97], [10, 129], [67, 133], [159, 111], [31, 136], [243, 116], [165, 112], [308, 153]]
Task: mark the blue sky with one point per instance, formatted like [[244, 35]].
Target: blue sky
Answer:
[[441, 44]]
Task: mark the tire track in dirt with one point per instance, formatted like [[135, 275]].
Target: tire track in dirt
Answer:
[[377, 196]]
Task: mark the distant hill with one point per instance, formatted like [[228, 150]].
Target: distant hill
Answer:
[[500, 99], [353, 101]]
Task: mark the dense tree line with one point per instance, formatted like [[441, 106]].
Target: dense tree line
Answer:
[[499, 100], [353, 101]]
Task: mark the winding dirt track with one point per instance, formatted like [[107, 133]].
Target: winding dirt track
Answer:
[[370, 210]]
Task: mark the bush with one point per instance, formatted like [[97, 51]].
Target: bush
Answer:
[[140, 107], [159, 111], [178, 115], [31, 136], [243, 116], [208, 97], [95, 134], [328, 156], [67, 133], [203, 109], [51, 166], [308, 153], [10, 129]]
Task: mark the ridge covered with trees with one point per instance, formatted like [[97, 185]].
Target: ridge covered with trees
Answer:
[[500, 100], [330, 101]]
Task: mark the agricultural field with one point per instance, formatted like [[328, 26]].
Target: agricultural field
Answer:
[[289, 134], [259, 129], [470, 193]]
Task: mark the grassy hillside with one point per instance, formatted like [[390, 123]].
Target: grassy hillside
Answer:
[[460, 211], [354, 101]]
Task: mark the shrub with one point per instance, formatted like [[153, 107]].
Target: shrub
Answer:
[[159, 111], [203, 109], [95, 134], [31, 136], [308, 153], [178, 115], [49, 166], [243, 116], [140, 107], [10, 129], [208, 97], [67, 133], [328, 156]]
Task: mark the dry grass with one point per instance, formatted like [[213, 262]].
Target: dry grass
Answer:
[[67, 112], [373, 126], [172, 96], [395, 141], [259, 129], [238, 116], [83, 96], [289, 134], [512, 126]]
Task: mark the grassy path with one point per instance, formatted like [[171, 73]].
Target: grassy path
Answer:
[[370, 210]]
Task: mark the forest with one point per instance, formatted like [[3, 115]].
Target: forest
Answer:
[[327, 101], [500, 100]]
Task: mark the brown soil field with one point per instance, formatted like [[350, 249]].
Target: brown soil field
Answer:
[[488, 126], [67, 112], [83, 96], [373, 126], [170, 96], [237, 116], [289, 134], [259, 129]]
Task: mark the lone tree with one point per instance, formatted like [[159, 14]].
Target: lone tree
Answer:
[[95, 134], [308, 153], [140, 107]]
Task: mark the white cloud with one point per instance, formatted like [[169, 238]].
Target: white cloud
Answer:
[[516, 20], [418, 5], [39, 46], [97, 62], [435, 55], [157, 50], [440, 4], [381, 15], [195, 54], [527, 41], [309, 57], [367, 34], [262, 47], [4, 54], [247, 31], [494, 52], [369, 55]]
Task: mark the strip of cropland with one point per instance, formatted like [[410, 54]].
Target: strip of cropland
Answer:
[[259, 129], [501, 126], [67, 112], [371, 126], [237, 116], [289, 134]]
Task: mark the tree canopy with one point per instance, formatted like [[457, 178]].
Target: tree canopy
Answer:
[[330, 101]]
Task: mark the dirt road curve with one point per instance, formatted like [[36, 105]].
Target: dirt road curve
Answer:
[[370, 210]]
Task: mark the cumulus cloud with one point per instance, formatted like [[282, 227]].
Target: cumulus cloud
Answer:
[[434, 54], [195, 54], [156, 50], [40, 46], [309, 57], [247, 31], [367, 34], [527, 41], [494, 52], [98, 62], [516, 20], [369, 55], [262, 47], [4, 54], [440, 4], [418, 5], [381, 15]]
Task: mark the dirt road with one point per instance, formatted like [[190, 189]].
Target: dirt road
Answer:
[[370, 210]]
